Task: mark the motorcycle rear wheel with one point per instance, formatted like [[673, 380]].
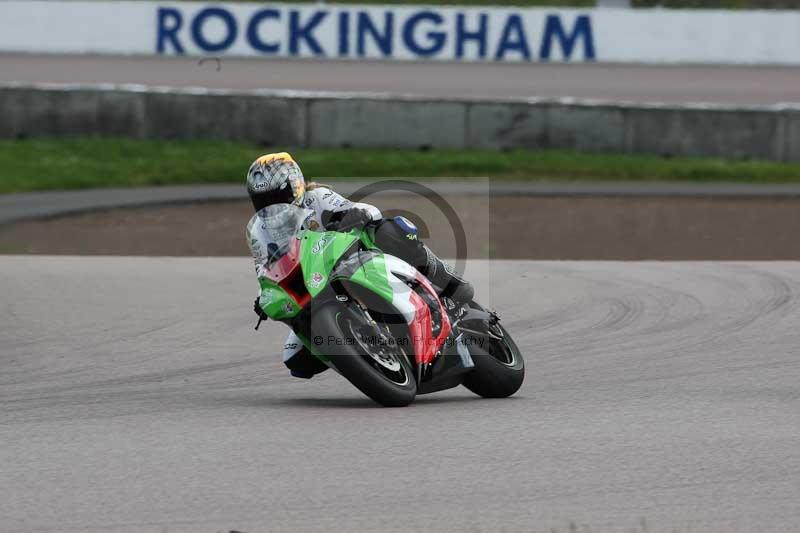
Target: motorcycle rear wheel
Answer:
[[380, 371]]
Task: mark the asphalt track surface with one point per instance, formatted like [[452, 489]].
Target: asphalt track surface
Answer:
[[634, 83], [135, 396]]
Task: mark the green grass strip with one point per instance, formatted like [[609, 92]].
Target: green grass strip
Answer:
[[44, 164]]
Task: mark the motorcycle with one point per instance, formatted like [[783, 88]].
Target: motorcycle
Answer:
[[372, 317]]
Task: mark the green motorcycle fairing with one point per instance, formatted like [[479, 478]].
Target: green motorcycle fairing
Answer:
[[275, 301], [319, 254]]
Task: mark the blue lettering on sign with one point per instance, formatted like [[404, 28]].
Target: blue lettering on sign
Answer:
[[344, 34], [513, 38], [553, 29], [230, 29], [437, 38], [363, 33], [298, 32], [463, 35], [382, 39], [170, 21], [252, 31]]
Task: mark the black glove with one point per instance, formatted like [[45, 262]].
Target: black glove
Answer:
[[354, 218], [260, 312]]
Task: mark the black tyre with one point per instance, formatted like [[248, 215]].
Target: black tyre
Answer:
[[379, 370], [499, 367]]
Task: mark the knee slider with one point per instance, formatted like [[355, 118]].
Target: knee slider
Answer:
[[408, 227]]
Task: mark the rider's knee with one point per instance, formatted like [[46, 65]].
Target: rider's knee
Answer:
[[407, 228], [398, 236]]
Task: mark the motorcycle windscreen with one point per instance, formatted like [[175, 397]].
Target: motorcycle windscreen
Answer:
[[272, 235]]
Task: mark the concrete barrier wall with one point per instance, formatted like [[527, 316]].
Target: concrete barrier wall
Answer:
[[327, 120]]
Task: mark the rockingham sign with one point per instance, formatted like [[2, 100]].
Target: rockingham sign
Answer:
[[400, 32]]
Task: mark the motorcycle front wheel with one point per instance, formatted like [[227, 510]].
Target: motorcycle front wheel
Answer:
[[364, 352], [499, 367]]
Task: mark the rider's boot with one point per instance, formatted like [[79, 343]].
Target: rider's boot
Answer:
[[450, 284], [300, 362]]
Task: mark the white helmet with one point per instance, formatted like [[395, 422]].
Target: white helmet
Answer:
[[275, 179]]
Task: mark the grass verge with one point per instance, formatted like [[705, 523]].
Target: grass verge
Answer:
[[45, 164]]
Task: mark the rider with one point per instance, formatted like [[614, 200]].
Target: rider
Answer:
[[277, 178]]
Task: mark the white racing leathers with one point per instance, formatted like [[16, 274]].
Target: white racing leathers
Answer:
[[322, 199]]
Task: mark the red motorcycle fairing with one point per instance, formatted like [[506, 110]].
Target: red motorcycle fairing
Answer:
[[421, 326], [286, 272], [284, 266]]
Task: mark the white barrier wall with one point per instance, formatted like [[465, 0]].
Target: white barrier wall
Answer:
[[401, 32]]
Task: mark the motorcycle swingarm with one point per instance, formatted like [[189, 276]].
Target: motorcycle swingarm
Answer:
[[473, 318]]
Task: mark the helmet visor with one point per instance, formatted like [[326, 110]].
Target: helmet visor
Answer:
[[284, 195]]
